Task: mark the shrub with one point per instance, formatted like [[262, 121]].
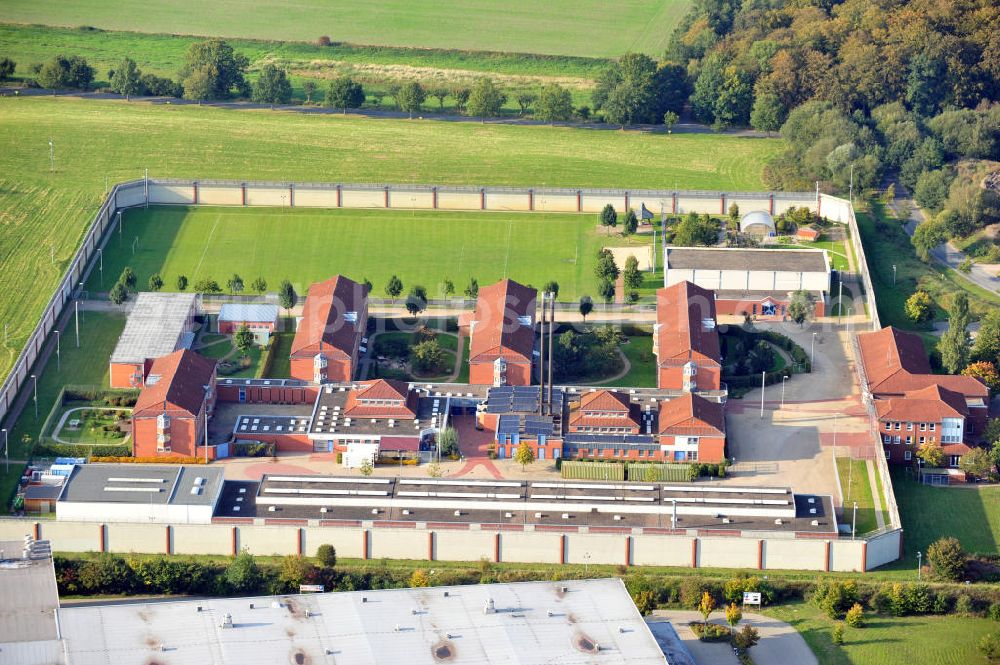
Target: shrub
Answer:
[[837, 633], [947, 559], [994, 612], [710, 632], [746, 638], [989, 646], [964, 605], [243, 575], [690, 592], [855, 617], [645, 602], [835, 597], [323, 41]]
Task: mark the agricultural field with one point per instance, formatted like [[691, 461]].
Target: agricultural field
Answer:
[[561, 27], [95, 143], [376, 67]]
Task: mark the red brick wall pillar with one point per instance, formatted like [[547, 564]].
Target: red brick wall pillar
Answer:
[[243, 190], [760, 555], [674, 204], [864, 556], [772, 204], [38, 531], [194, 188], [694, 553], [434, 195], [430, 545], [236, 540], [628, 550], [365, 554], [301, 541], [166, 545], [562, 548], [482, 199], [828, 551], [579, 201], [387, 197], [291, 196], [340, 197], [102, 532], [626, 202], [531, 199], [722, 204], [496, 547]]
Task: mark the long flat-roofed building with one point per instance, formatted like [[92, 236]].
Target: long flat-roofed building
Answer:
[[759, 282], [686, 340], [572, 622], [329, 335], [502, 331], [157, 325]]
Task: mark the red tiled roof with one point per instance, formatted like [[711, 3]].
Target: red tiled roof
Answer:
[[806, 232], [889, 351], [895, 363], [497, 331], [692, 414], [955, 448], [681, 335], [383, 390], [604, 401], [402, 443], [929, 404], [323, 327], [176, 382]]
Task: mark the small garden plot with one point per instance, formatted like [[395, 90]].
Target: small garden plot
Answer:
[[93, 424], [424, 354]]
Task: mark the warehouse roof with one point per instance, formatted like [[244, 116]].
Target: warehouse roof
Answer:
[[28, 600], [569, 622], [726, 258], [238, 312], [158, 324], [143, 484]]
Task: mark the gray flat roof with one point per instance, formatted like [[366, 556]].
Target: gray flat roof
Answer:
[[237, 312], [28, 598], [565, 503], [143, 484], [725, 258], [568, 622], [156, 326]]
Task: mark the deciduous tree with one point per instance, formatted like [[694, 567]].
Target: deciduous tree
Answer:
[[706, 605], [243, 340], [485, 99], [182, 282], [416, 301], [586, 306], [272, 86], [394, 287], [411, 97], [919, 306], [986, 372], [947, 559], [345, 93], [555, 104], [235, 284], [259, 285], [287, 297], [155, 282], [127, 79], [524, 455], [220, 70]]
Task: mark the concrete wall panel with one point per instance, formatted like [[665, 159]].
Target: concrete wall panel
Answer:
[[220, 195], [363, 198], [795, 554], [727, 553], [596, 202], [649, 550], [130, 195], [203, 539], [698, 205], [530, 547], [398, 544], [123, 538], [346, 540], [653, 203], [458, 200], [268, 196], [603, 548], [507, 201], [748, 204], [847, 555], [414, 200], [269, 540], [555, 202], [171, 194], [315, 198], [463, 545]]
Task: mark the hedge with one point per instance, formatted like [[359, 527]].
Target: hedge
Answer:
[[253, 449], [126, 459], [83, 450]]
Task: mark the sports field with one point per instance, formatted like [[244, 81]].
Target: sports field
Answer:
[[421, 247], [565, 27]]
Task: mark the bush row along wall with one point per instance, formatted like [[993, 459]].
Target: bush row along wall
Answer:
[[608, 545]]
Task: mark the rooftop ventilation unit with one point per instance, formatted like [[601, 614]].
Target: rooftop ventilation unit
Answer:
[[815, 522], [778, 522]]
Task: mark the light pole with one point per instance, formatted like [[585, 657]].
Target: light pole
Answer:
[[762, 375], [52, 157], [76, 316], [854, 521], [119, 227], [58, 351], [586, 564], [100, 257], [6, 456], [849, 312], [34, 380], [919, 566], [812, 352], [783, 379], [894, 274]]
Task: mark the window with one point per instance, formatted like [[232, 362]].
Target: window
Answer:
[[955, 459], [887, 439], [692, 456], [898, 425], [909, 427], [923, 427], [909, 440], [895, 440], [968, 428], [888, 426], [907, 455], [933, 426], [887, 455]]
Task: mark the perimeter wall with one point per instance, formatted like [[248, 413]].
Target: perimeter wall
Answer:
[[465, 542]]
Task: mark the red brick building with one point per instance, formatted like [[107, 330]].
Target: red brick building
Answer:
[[604, 412], [502, 332], [685, 339], [895, 365], [692, 429], [233, 316], [329, 335], [932, 414], [170, 415], [157, 324]]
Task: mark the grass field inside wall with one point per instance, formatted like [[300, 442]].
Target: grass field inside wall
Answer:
[[562, 27], [303, 245], [43, 214]]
